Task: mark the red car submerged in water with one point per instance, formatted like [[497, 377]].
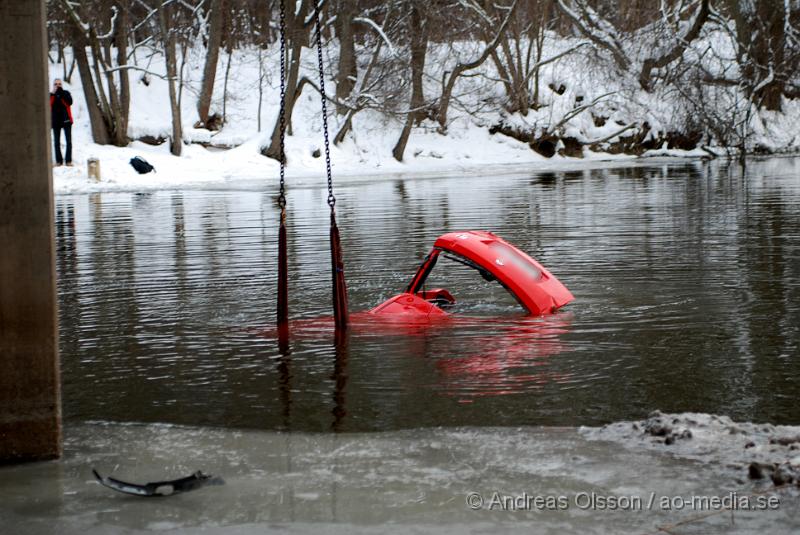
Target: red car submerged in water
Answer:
[[416, 310], [535, 288]]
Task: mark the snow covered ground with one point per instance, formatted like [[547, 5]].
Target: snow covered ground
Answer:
[[365, 153], [475, 152], [565, 85]]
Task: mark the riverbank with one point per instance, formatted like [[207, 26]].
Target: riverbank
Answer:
[[600, 119], [460, 480], [245, 168]]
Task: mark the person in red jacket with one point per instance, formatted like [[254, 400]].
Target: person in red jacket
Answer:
[[61, 116]]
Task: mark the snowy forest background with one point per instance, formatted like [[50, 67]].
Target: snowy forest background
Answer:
[[436, 79]]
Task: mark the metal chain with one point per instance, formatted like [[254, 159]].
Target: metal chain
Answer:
[[282, 196], [331, 198]]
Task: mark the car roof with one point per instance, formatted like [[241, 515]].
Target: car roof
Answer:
[[533, 285]]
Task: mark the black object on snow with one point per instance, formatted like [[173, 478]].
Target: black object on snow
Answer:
[[141, 165], [160, 488]]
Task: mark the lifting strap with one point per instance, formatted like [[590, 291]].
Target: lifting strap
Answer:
[[283, 272], [340, 314]]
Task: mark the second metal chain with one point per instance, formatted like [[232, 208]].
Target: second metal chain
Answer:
[[331, 198], [282, 156]]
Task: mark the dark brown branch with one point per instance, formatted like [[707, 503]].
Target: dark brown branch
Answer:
[[645, 77]]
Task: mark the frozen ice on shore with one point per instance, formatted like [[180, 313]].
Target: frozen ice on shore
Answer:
[[407, 481], [748, 450]]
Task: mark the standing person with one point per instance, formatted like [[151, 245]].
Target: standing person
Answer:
[[61, 115]]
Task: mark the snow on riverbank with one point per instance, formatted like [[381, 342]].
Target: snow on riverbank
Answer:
[[757, 451], [474, 152], [365, 154]]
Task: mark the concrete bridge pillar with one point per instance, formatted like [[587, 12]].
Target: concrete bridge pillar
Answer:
[[30, 407]]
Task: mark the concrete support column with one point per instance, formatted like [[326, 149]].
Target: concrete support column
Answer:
[[30, 407]]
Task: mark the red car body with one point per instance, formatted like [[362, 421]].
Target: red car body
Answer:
[[534, 287]]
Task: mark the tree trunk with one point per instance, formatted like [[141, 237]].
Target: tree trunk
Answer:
[[540, 34], [461, 68], [121, 39], [296, 38], [419, 48], [400, 147], [504, 77], [346, 75], [114, 102], [216, 28], [98, 125], [508, 60], [225, 85], [119, 99], [347, 125], [770, 51], [677, 50], [97, 58], [169, 39], [260, 87], [519, 96], [108, 115], [63, 60], [68, 76], [761, 50]]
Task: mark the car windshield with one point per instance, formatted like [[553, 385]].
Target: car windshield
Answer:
[[474, 295]]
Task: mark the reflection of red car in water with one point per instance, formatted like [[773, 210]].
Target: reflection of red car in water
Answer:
[[510, 356], [535, 288]]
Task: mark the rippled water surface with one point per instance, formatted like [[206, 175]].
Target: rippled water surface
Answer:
[[685, 277]]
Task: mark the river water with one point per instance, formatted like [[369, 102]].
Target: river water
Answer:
[[686, 278]]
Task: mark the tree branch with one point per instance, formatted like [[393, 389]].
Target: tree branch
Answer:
[[575, 111], [604, 37], [676, 51]]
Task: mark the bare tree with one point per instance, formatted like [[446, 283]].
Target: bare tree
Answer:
[[105, 79], [682, 39], [664, 38], [59, 34], [298, 25], [519, 58], [166, 17], [763, 50], [215, 30], [347, 69], [411, 60], [597, 29], [419, 32], [449, 82], [380, 81]]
